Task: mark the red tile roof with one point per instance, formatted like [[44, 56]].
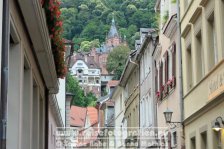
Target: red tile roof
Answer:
[[77, 116], [93, 115], [112, 83]]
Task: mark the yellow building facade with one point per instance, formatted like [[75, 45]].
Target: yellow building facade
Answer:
[[202, 29], [130, 82]]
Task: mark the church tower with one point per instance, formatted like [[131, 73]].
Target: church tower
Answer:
[[113, 39]]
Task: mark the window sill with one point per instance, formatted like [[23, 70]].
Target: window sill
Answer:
[[168, 94]]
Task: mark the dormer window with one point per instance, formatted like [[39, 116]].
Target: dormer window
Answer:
[[80, 70]]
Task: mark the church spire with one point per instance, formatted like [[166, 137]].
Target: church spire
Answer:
[[113, 29], [113, 20]]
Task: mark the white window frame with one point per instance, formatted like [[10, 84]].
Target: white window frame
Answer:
[[164, 81], [170, 64]]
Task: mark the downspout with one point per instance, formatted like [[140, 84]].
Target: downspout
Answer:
[[4, 73], [46, 117], [139, 98], [180, 72]]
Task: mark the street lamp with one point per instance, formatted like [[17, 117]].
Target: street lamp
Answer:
[[154, 36], [168, 116], [217, 126]]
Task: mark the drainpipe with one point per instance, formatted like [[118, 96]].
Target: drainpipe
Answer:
[[180, 71], [4, 73], [46, 118]]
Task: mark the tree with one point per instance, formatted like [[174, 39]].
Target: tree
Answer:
[[116, 60], [90, 99], [72, 86], [91, 19], [79, 98]]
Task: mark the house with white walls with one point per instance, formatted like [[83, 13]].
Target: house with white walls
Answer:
[[87, 72], [146, 87]]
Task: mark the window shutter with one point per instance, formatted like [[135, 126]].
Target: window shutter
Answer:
[[174, 64], [166, 66], [161, 79], [166, 73], [174, 60], [169, 140]]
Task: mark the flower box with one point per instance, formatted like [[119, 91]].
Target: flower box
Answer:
[[54, 23]]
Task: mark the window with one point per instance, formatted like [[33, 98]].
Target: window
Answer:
[[212, 41], [142, 71], [204, 140], [156, 77], [189, 68], [200, 55], [126, 91], [174, 138], [143, 113], [166, 66], [164, 71], [145, 63], [121, 102], [160, 78], [80, 70], [79, 64], [173, 59], [169, 64], [193, 143], [147, 111]]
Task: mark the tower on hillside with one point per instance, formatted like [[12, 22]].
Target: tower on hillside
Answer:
[[113, 38]]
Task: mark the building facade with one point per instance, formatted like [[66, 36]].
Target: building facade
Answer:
[[87, 72], [32, 110], [130, 82], [203, 56], [148, 119], [118, 98], [168, 74], [61, 99], [54, 121]]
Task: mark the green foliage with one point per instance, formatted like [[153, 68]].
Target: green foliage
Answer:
[[79, 98], [116, 61], [86, 46], [91, 19], [165, 17]]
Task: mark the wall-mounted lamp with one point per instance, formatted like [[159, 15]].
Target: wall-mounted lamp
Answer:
[[168, 116], [217, 126], [154, 36]]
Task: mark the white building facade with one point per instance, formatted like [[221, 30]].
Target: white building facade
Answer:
[[88, 75], [147, 86], [54, 121], [61, 99], [119, 109]]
